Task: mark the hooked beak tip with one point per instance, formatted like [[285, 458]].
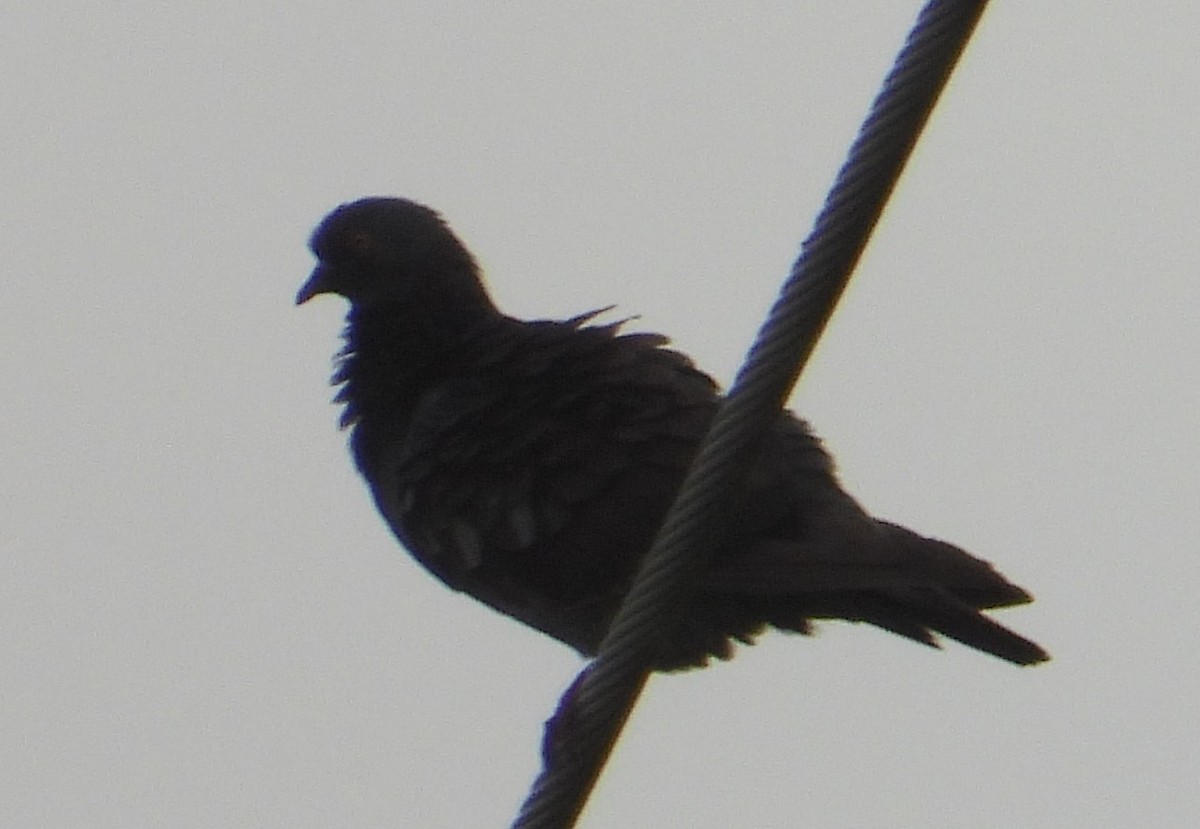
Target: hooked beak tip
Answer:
[[317, 283]]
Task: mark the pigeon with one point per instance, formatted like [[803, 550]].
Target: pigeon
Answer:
[[530, 463]]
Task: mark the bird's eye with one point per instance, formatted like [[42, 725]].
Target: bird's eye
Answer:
[[360, 242]]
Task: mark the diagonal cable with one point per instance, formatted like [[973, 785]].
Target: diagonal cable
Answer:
[[595, 708]]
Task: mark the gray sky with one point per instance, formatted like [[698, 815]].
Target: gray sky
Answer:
[[204, 624]]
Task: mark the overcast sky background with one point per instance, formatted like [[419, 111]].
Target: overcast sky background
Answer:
[[203, 623]]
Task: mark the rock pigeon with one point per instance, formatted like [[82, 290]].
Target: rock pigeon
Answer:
[[529, 464]]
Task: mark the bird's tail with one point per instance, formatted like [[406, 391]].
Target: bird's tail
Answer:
[[951, 589], [910, 585]]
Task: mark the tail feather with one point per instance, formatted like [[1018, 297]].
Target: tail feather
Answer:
[[967, 625], [915, 613], [949, 589], [909, 585]]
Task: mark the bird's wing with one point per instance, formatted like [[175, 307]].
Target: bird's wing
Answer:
[[545, 473]]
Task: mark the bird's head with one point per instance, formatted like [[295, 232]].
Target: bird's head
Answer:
[[383, 250]]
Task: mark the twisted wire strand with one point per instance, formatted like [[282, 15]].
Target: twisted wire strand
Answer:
[[597, 705]]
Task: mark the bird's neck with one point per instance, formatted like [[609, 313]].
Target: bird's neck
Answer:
[[395, 351]]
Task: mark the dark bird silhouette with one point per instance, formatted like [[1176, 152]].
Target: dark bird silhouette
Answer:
[[529, 464]]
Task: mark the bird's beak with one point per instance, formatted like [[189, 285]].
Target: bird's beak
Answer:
[[319, 282]]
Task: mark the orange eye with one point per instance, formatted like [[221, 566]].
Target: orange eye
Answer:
[[360, 241]]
